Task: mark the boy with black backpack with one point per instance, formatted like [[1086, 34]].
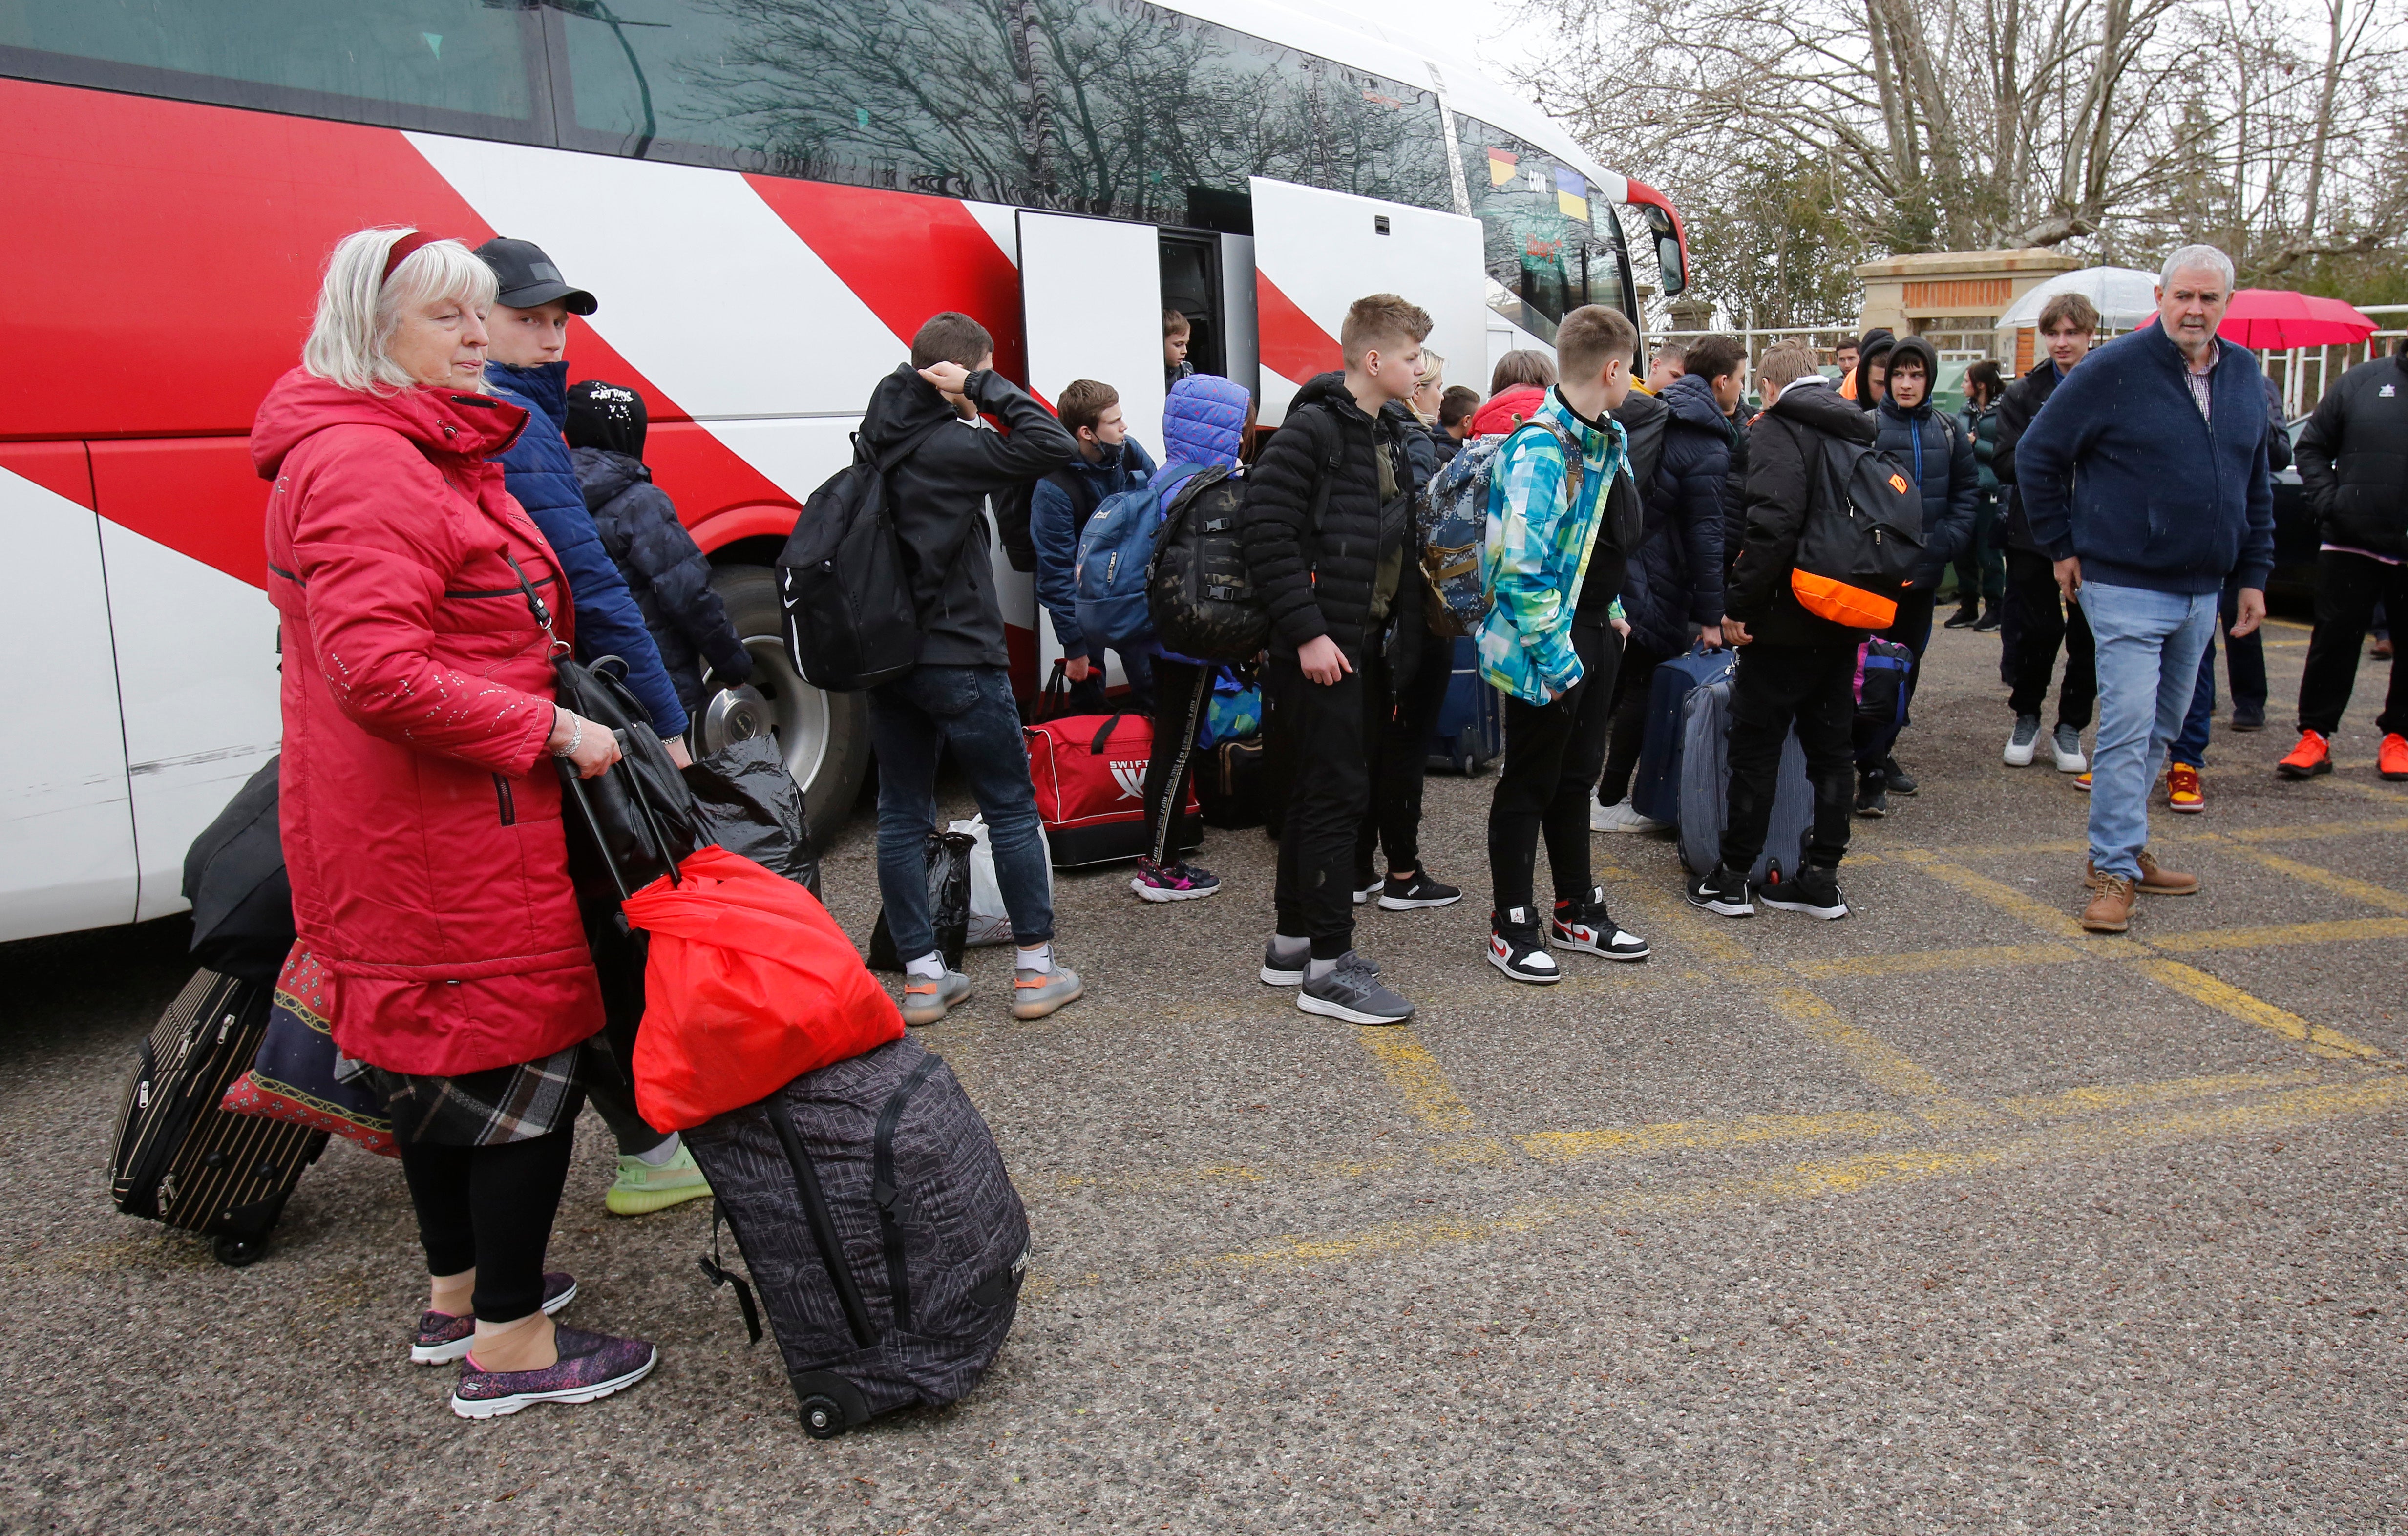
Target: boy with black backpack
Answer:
[[1553, 569], [1795, 665], [1327, 523], [927, 412]]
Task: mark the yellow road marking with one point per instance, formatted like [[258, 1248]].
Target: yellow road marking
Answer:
[[2225, 997], [2372, 895], [2126, 1096], [2039, 913], [1570, 1147], [1916, 962], [2320, 829], [2303, 1107], [2282, 933], [1417, 1077]]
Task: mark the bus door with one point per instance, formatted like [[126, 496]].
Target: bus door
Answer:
[[1316, 252], [66, 815], [1091, 307]]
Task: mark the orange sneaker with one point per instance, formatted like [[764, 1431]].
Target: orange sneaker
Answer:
[[2182, 788], [2312, 756], [2392, 760], [2082, 782]]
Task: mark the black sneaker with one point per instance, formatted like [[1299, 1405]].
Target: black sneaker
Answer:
[[1513, 948], [1813, 890], [1872, 799], [1366, 887], [1990, 621], [2248, 719], [1353, 992], [1724, 892], [1587, 926], [1894, 778], [1963, 618], [1406, 895]]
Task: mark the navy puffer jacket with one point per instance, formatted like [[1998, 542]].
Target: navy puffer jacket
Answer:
[[666, 571], [1676, 574], [1941, 460], [541, 478]]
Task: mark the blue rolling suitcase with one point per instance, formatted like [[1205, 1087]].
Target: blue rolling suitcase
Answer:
[[1703, 791], [1656, 788], [1470, 732]]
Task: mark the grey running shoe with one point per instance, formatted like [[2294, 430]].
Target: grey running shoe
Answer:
[[2025, 742], [1353, 992], [1038, 992], [926, 1002], [2067, 745]]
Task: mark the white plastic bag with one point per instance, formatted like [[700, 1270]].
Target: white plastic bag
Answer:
[[989, 923]]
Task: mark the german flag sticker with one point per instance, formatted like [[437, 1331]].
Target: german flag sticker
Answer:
[[1898, 483]]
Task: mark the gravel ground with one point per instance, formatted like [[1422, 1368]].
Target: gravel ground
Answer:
[[1939, 1218]]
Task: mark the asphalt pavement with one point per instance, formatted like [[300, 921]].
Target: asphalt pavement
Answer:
[[1944, 1217]]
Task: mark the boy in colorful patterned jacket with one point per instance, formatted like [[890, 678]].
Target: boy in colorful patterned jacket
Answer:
[[1552, 570]]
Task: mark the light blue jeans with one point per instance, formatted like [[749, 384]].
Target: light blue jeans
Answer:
[[2149, 649]]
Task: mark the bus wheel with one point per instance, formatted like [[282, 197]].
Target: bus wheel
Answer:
[[824, 736]]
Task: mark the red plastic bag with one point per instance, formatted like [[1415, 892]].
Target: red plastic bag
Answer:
[[750, 984]]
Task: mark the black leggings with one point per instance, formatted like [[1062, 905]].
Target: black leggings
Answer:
[[490, 1209], [1181, 691]]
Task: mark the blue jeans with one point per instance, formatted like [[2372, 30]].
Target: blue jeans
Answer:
[[2149, 646], [2244, 665], [911, 720]]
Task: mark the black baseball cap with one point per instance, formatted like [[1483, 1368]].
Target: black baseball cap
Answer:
[[529, 278]]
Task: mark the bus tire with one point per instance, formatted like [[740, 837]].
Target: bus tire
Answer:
[[825, 735]]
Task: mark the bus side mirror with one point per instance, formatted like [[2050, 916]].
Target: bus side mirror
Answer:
[[1668, 251]]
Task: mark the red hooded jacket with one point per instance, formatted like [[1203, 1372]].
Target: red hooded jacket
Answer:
[[421, 821], [1507, 409]]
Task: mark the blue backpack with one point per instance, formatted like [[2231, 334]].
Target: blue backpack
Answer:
[[1114, 550]]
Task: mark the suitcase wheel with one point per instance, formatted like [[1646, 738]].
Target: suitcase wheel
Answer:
[[822, 1418], [237, 1251]]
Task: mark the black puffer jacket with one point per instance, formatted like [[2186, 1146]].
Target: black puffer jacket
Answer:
[[2354, 460], [1783, 448], [2016, 407], [1950, 480], [1320, 583], [939, 494], [1734, 488], [665, 570], [1676, 575], [1642, 417]]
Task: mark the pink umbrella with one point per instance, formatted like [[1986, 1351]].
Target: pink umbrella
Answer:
[[2278, 317]]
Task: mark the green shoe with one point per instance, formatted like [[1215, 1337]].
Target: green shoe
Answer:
[[641, 1189]]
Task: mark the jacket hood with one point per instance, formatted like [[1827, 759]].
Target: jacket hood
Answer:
[[476, 426], [1329, 389], [1497, 417], [902, 404], [1691, 399], [1204, 420], [1824, 409], [544, 386], [1914, 345], [603, 474]]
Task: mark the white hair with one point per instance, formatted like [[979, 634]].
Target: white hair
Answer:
[[359, 306], [2197, 258]]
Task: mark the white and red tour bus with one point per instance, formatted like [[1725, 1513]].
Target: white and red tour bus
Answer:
[[767, 197]]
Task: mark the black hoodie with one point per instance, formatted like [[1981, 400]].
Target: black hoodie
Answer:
[[939, 494], [1321, 583], [1784, 449], [665, 572]]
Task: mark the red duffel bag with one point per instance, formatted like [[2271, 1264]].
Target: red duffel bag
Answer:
[[750, 984], [1089, 771]]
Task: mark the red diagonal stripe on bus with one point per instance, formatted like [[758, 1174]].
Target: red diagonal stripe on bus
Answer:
[[906, 256], [1294, 345]]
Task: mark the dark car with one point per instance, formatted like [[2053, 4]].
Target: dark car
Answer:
[[2292, 588]]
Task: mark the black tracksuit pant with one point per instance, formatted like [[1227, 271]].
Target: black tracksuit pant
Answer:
[[2043, 619], [1181, 690], [1399, 742], [2347, 588], [1328, 726], [1633, 681], [1552, 755], [1815, 687]]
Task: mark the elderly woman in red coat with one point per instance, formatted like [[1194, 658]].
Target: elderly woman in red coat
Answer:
[[422, 815]]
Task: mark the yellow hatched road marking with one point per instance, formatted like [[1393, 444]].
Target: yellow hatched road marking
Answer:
[[2366, 891], [1569, 1146], [2225, 997], [1915, 962], [2282, 933], [2126, 1096], [1418, 1079], [2321, 830]]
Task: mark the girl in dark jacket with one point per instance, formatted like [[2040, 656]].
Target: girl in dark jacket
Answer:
[[1982, 570], [1941, 460]]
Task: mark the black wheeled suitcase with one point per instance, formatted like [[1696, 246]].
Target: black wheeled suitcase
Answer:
[[180, 1157], [878, 1227]]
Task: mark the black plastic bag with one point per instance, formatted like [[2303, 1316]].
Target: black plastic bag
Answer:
[[234, 877], [745, 801], [949, 904]]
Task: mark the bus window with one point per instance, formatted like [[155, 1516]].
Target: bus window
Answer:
[[1552, 244], [448, 65]]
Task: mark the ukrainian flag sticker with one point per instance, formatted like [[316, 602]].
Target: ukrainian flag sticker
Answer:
[[1500, 167], [1572, 195]]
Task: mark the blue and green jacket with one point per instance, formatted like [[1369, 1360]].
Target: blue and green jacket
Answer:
[[1543, 522]]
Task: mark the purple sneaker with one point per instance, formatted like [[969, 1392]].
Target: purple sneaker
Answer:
[[1173, 881], [443, 1338], [591, 1366]]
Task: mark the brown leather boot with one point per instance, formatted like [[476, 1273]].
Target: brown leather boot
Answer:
[[2156, 880], [2111, 905]]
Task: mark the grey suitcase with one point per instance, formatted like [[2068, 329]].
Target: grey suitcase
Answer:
[[1705, 791], [878, 1227]]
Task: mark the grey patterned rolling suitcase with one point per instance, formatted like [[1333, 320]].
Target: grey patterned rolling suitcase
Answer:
[[182, 1160], [878, 1227], [1704, 769]]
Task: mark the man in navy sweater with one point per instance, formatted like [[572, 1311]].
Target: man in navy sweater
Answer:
[[2144, 480]]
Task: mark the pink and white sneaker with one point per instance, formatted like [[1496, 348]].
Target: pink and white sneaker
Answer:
[[1173, 881]]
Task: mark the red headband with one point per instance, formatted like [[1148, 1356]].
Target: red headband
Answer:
[[403, 248]]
